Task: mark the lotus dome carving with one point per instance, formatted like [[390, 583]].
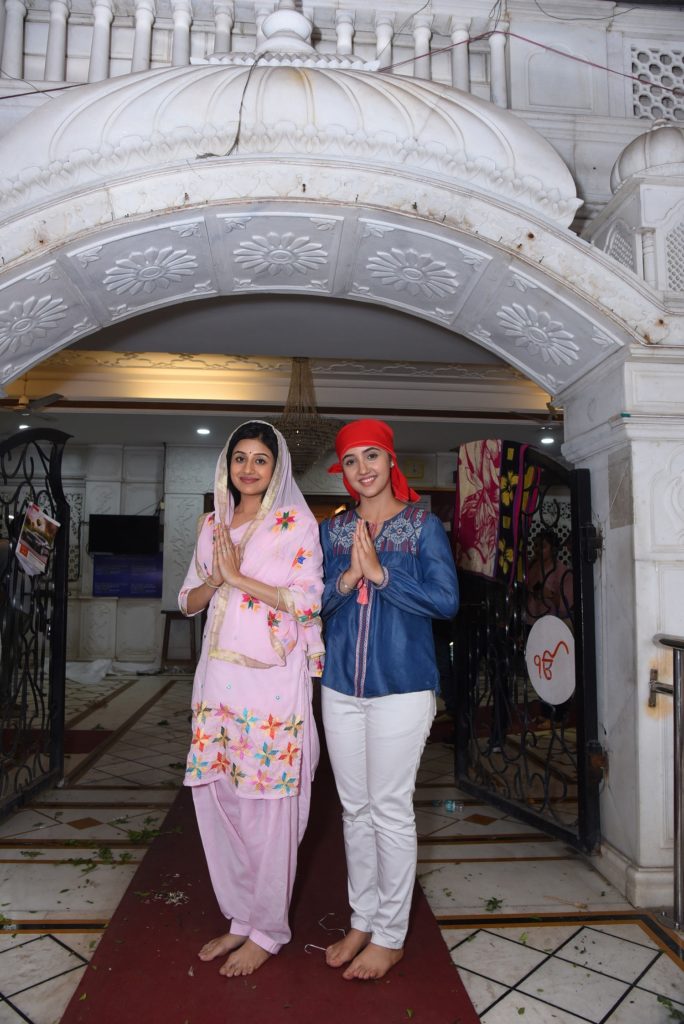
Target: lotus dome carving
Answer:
[[133, 125]]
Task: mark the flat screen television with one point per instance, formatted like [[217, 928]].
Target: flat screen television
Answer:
[[123, 535]]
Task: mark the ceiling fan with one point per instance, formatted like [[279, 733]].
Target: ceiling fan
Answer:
[[26, 406]]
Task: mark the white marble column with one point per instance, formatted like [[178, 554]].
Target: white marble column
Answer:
[[625, 423], [422, 33], [261, 12], [182, 20], [13, 42], [344, 29], [224, 19], [460, 57], [649, 258], [103, 15], [384, 33], [498, 88], [145, 11], [55, 55], [2, 24]]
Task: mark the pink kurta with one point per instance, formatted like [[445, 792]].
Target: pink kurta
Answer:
[[252, 719]]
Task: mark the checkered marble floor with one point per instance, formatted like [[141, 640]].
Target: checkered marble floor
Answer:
[[537, 934], [534, 931]]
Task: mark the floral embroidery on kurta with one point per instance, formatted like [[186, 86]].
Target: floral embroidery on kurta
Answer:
[[245, 744], [290, 754], [305, 615], [286, 783], [221, 763], [293, 725], [300, 558], [251, 603], [271, 726], [284, 520]]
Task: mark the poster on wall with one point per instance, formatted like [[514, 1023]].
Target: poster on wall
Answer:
[[127, 576], [36, 540]]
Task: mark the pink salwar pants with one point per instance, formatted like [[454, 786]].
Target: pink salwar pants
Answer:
[[251, 850]]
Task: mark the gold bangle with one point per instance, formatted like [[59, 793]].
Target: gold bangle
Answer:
[[277, 604], [214, 586]]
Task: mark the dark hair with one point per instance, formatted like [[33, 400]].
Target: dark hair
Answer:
[[252, 431], [551, 537]]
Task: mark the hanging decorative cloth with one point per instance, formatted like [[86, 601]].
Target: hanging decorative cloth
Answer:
[[494, 494]]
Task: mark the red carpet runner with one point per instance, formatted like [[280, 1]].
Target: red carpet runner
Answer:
[[146, 971]]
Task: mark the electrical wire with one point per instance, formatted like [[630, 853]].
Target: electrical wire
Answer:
[[676, 90], [402, 27]]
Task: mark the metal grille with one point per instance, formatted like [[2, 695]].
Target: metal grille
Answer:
[[516, 749], [32, 619]]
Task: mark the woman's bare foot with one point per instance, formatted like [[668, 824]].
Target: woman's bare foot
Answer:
[[373, 962], [220, 946], [346, 949], [245, 960]]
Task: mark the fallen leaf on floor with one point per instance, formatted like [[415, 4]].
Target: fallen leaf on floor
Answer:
[[493, 903]]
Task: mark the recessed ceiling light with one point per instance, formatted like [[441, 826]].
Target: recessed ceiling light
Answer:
[[24, 426], [203, 430], [547, 439]]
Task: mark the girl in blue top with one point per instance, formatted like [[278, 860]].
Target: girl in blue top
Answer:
[[388, 572]]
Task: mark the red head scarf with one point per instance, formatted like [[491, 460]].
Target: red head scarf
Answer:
[[376, 434]]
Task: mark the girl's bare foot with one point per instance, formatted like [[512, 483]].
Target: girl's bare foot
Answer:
[[346, 949], [372, 962], [220, 946], [245, 960]]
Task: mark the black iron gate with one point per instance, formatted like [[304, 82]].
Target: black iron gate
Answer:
[[521, 746], [32, 616]]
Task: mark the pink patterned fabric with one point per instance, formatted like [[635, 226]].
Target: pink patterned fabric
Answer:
[[476, 524], [252, 691]]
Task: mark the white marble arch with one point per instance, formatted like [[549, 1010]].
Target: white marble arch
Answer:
[[131, 194], [553, 330]]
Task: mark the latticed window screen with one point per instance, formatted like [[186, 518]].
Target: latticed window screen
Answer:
[[661, 69], [620, 248], [674, 251]]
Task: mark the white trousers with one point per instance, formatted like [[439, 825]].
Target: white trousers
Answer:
[[375, 745]]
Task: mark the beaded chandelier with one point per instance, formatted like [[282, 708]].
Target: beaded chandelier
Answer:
[[308, 434]]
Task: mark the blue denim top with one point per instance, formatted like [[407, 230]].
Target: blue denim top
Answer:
[[386, 645]]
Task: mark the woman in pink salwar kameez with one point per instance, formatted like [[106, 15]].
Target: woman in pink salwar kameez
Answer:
[[257, 570]]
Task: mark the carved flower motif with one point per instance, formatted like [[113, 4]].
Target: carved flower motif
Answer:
[[29, 320], [274, 254], [414, 272], [538, 333], [146, 271]]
